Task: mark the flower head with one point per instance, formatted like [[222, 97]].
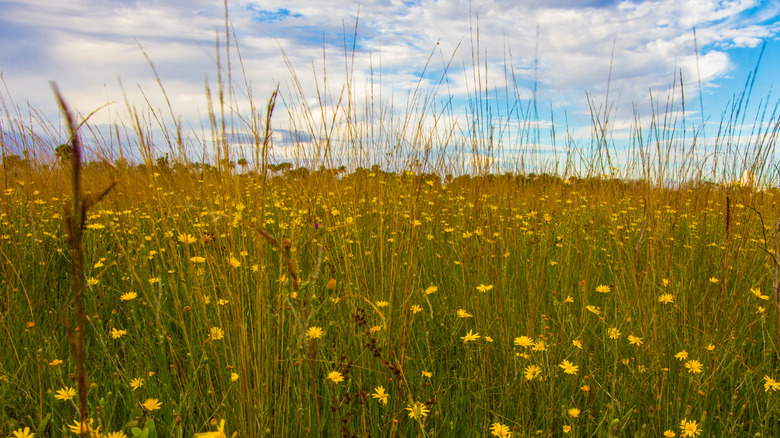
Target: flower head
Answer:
[[500, 430], [770, 383], [314, 333], [65, 393], [689, 428], [485, 288], [524, 341], [593, 309], [568, 367], [531, 372], [216, 333], [463, 314], [418, 410], [335, 377], [219, 433], [603, 289], [137, 383], [186, 238], [574, 412], [757, 293], [80, 428], [129, 296], [380, 394], [151, 404], [634, 340], [23, 433], [694, 366], [470, 336]]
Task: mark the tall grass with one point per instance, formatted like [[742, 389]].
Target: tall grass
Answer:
[[203, 283]]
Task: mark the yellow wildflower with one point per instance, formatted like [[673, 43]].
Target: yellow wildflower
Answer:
[[129, 296], [380, 394], [417, 410], [65, 394], [335, 377], [770, 383], [568, 367], [463, 314], [500, 430], [216, 333], [314, 333], [219, 433], [689, 428], [23, 433], [137, 383], [694, 366], [470, 336], [531, 372], [151, 404]]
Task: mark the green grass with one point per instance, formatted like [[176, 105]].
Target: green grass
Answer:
[[536, 245], [230, 269]]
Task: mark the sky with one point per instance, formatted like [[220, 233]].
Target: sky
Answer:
[[538, 64]]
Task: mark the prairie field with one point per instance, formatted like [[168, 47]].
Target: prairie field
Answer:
[[151, 295]]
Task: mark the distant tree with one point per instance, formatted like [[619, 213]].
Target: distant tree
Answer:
[[63, 152], [162, 162], [300, 173], [12, 162], [228, 165], [180, 168]]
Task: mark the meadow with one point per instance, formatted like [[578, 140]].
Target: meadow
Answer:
[[428, 298]]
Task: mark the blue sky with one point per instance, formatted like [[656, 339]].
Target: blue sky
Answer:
[[565, 50]]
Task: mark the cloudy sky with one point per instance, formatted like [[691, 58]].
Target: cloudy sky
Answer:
[[560, 51]]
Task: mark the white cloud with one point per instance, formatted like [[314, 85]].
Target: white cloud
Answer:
[[569, 48]]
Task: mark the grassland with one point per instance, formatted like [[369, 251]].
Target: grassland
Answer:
[[663, 301], [272, 301]]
